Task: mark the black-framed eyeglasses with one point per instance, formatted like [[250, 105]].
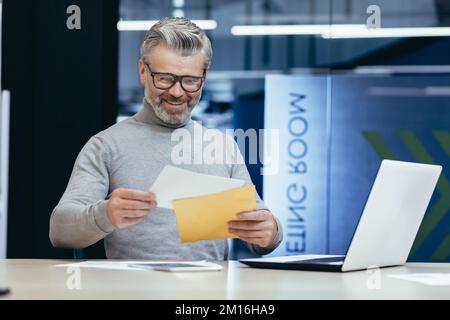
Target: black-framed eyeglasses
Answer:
[[165, 81]]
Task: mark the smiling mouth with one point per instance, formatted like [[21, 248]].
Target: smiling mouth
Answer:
[[174, 104]]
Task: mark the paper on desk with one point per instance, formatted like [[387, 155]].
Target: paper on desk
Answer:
[[206, 217], [431, 279], [179, 266], [127, 265], [112, 265], [175, 183]]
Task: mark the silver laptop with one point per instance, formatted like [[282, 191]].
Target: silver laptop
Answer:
[[388, 225]]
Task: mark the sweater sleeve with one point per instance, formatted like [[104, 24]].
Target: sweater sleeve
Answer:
[[81, 218], [239, 171]]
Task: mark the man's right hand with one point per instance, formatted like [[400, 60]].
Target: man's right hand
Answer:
[[129, 206]]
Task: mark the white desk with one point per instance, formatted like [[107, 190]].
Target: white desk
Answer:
[[38, 279]]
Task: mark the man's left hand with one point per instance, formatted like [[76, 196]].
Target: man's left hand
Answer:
[[255, 227]]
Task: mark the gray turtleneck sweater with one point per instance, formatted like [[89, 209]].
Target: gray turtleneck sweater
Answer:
[[131, 154]]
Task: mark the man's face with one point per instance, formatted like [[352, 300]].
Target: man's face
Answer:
[[173, 105]]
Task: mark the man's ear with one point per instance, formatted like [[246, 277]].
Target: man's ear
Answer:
[[141, 69]]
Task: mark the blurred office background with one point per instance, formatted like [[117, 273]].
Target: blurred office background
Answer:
[[369, 95]]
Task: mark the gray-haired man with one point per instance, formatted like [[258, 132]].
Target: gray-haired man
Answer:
[[105, 197]]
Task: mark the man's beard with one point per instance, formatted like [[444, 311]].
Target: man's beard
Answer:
[[166, 117]]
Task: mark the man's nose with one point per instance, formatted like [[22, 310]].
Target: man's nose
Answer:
[[176, 90]]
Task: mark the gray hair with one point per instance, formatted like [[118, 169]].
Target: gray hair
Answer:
[[179, 34]]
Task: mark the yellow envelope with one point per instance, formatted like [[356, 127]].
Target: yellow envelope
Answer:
[[206, 217]]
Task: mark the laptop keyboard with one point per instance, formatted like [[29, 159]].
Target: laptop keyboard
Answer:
[[331, 260]]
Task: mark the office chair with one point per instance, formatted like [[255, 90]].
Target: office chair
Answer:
[[95, 251]]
